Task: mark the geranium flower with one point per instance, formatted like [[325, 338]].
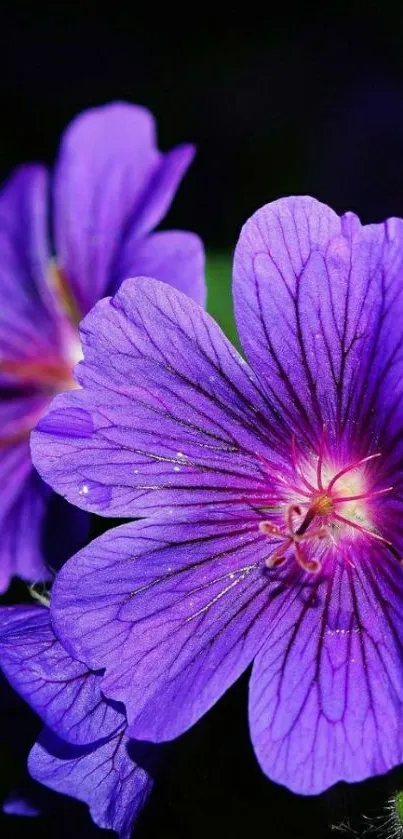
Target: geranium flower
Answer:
[[273, 497], [110, 188]]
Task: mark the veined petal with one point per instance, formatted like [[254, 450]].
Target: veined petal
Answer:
[[175, 611], [111, 185], [62, 691], [169, 415], [318, 302], [105, 777], [173, 256], [326, 692], [28, 324]]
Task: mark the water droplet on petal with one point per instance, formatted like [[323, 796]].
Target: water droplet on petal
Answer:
[[96, 494]]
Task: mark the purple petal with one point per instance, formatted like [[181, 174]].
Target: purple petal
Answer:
[[64, 692], [173, 256], [111, 184], [157, 196], [170, 414], [318, 302], [105, 777], [174, 611], [29, 513], [326, 693], [28, 326], [23, 507]]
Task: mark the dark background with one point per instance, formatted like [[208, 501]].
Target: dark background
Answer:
[[289, 102]]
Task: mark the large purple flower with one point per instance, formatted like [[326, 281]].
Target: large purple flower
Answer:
[[110, 188], [278, 489], [84, 751]]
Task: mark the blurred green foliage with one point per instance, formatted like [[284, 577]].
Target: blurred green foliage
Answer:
[[219, 300]]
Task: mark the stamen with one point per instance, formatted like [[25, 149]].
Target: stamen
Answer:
[[350, 468], [320, 463], [310, 517], [362, 529], [363, 497]]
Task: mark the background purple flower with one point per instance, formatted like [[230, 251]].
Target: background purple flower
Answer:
[[110, 188], [84, 751], [278, 491]]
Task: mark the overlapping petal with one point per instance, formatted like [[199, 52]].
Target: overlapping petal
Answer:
[[62, 691], [326, 692], [169, 413], [318, 302], [111, 185], [28, 322], [175, 611], [173, 256], [106, 778]]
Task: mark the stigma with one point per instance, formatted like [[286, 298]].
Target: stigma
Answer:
[[321, 506]]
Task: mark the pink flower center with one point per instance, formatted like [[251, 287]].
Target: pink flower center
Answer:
[[320, 503]]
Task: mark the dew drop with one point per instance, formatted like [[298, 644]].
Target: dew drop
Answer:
[[96, 494], [177, 469]]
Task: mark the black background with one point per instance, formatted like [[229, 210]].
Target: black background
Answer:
[[288, 101]]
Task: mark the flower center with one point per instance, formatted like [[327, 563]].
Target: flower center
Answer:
[[322, 503]]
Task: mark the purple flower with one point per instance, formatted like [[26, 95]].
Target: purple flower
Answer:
[[110, 188], [278, 492], [84, 751]]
